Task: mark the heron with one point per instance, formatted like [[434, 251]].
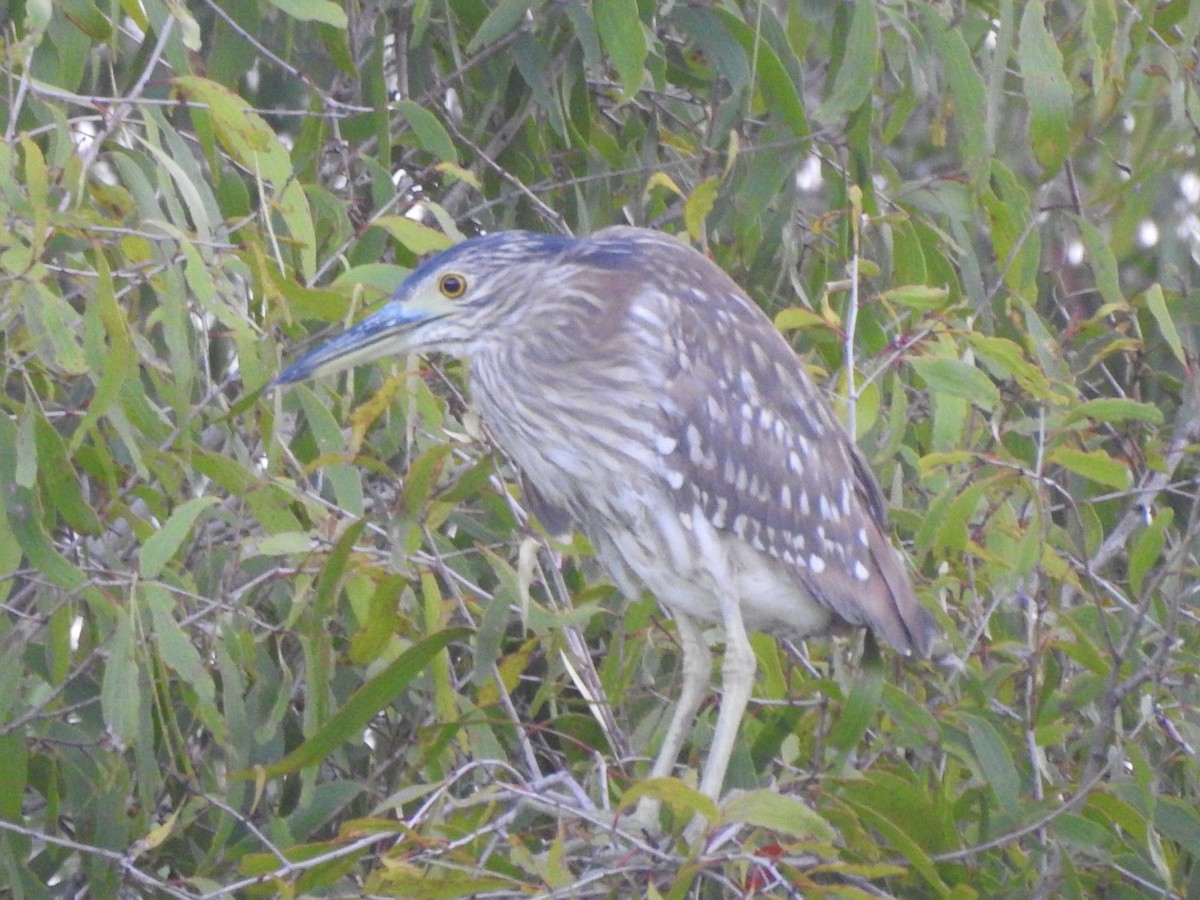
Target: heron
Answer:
[[647, 400]]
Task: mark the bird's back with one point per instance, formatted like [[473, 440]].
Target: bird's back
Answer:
[[701, 435]]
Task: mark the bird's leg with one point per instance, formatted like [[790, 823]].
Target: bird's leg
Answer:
[[697, 676], [737, 679]]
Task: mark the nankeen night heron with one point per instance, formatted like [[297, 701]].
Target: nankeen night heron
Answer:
[[644, 396]]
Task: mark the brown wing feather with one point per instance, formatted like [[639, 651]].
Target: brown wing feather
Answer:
[[763, 456]]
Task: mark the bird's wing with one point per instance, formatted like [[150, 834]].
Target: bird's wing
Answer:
[[759, 452]]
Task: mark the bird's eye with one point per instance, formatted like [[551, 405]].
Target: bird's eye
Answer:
[[452, 285]]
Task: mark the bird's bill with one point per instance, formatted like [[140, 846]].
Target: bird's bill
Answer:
[[388, 332]]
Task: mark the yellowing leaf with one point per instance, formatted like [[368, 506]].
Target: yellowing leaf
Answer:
[[242, 131], [698, 206], [662, 179], [418, 238], [918, 296], [779, 812], [798, 317]]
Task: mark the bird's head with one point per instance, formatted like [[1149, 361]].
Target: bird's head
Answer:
[[450, 301]]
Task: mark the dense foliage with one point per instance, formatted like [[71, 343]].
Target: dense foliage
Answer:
[[308, 642]]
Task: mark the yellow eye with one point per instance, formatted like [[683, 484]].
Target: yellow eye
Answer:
[[452, 285]]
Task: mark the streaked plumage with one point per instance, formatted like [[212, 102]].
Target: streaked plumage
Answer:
[[647, 399]]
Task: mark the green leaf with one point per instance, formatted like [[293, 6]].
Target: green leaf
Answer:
[[779, 812], [672, 792], [1147, 549], [954, 530], [1006, 358], [25, 517], [1102, 261], [956, 378], [1157, 304], [620, 28], [180, 654], [61, 482], [84, 15], [778, 87], [336, 562], [1095, 465], [116, 362], [966, 90], [898, 837], [1179, 821], [327, 432], [859, 59], [165, 542], [348, 723], [292, 206], [705, 29], [1115, 409], [313, 11], [287, 543], [1084, 833], [996, 763], [504, 17], [1014, 235], [25, 471], [1047, 91], [120, 695], [860, 708], [430, 133]]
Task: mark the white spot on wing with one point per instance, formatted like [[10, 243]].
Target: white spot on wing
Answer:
[[665, 445], [715, 411], [675, 479], [749, 386], [860, 572], [816, 563], [695, 447]]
